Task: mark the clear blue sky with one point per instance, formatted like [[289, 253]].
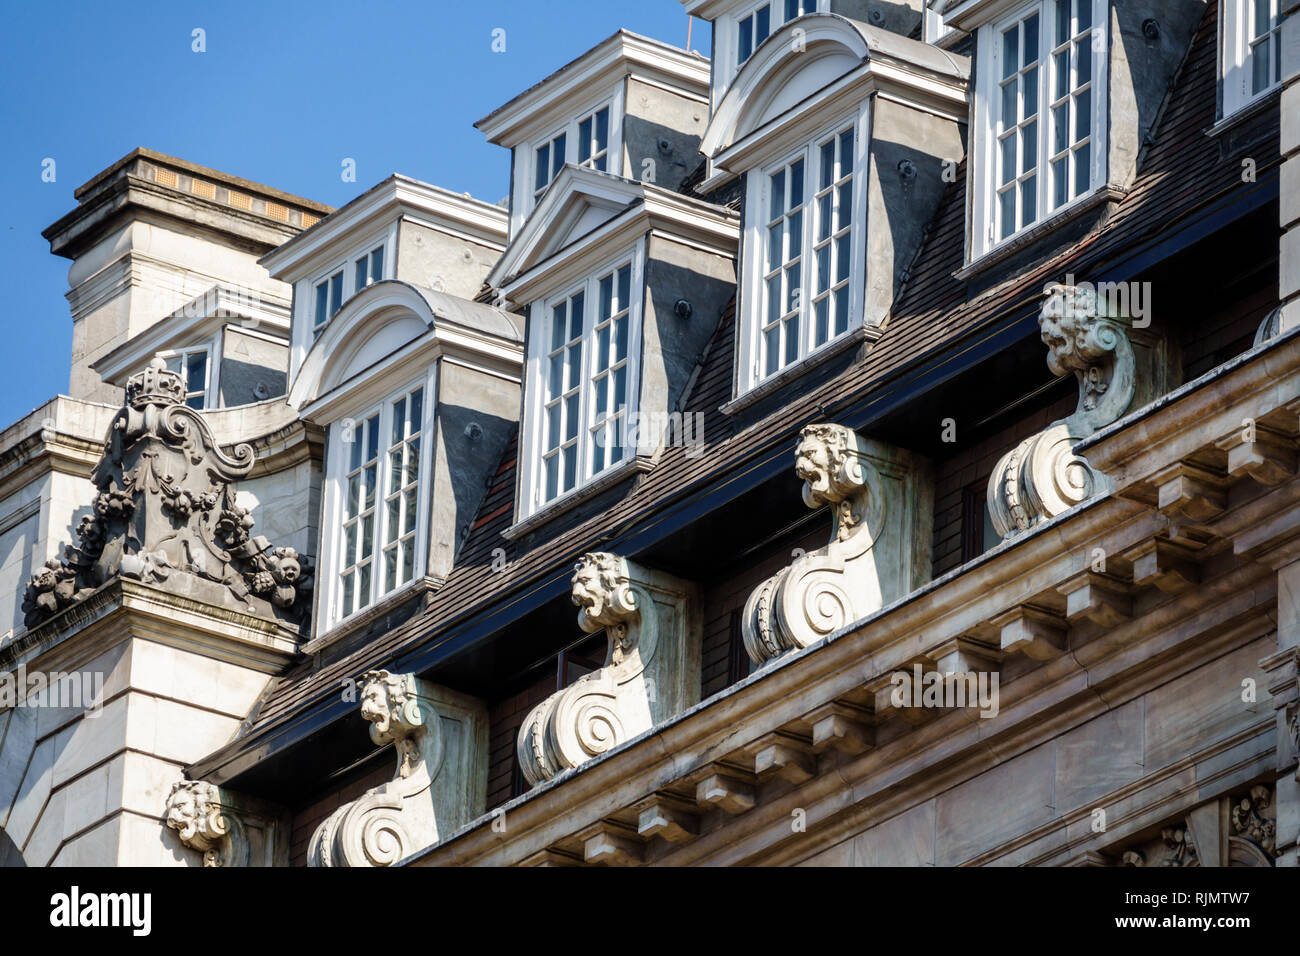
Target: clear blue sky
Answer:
[[284, 92]]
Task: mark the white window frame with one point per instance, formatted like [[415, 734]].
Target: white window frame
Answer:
[[1239, 51], [209, 376], [526, 175], [532, 495], [726, 39], [751, 371], [985, 228], [341, 437], [305, 331]]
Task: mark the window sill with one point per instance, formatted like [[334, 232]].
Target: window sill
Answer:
[[361, 619], [1260, 104], [1022, 240], [801, 367], [551, 510]]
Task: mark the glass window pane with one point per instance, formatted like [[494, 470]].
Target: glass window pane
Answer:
[[1010, 52], [1031, 40], [796, 184], [1060, 74], [1259, 69], [1082, 61], [827, 164], [1082, 172], [1062, 21], [1082, 115], [1007, 203], [359, 271], [1010, 106], [795, 247], [1083, 15], [762, 24], [841, 311], [846, 152], [543, 167], [367, 536], [624, 287], [602, 130], [584, 140], [1060, 128], [322, 303], [390, 569], [845, 204], [1008, 165], [570, 466], [1030, 86], [377, 264], [571, 417], [842, 257], [372, 438], [1029, 147], [557, 154], [363, 587], [576, 307], [745, 40], [1029, 200], [552, 477], [776, 202], [606, 297], [1060, 182], [620, 339], [336, 292]]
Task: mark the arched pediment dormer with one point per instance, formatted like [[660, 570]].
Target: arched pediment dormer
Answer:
[[804, 56], [379, 321]]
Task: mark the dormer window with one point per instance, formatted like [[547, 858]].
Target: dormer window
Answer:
[[354, 275], [809, 267], [1040, 115], [586, 400], [1252, 47], [379, 492], [584, 142]]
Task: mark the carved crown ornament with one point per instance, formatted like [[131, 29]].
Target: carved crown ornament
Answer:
[[829, 588], [1042, 476], [166, 510], [439, 782], [652, 640]]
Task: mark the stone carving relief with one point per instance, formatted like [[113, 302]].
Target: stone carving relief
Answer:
[[866, 486], [1042, 476], [166, 511], [651, 671], [206, 823], [1229, 831], [440, 783]]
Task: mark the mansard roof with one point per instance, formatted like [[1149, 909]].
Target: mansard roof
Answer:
[[390, 321], [939, 327], [818, 51]]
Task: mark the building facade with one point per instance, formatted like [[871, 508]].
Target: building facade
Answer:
[[875, 444]]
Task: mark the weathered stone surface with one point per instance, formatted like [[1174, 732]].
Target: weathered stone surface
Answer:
[[651, 666], [440, 738], [166, 506], [875, 495]]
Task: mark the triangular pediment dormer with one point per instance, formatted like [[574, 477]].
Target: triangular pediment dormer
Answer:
[[579, 202]]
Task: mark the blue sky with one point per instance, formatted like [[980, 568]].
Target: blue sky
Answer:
[[284, 92]]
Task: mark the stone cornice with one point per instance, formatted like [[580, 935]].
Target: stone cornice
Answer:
[[122, 609], [1024, 595]]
